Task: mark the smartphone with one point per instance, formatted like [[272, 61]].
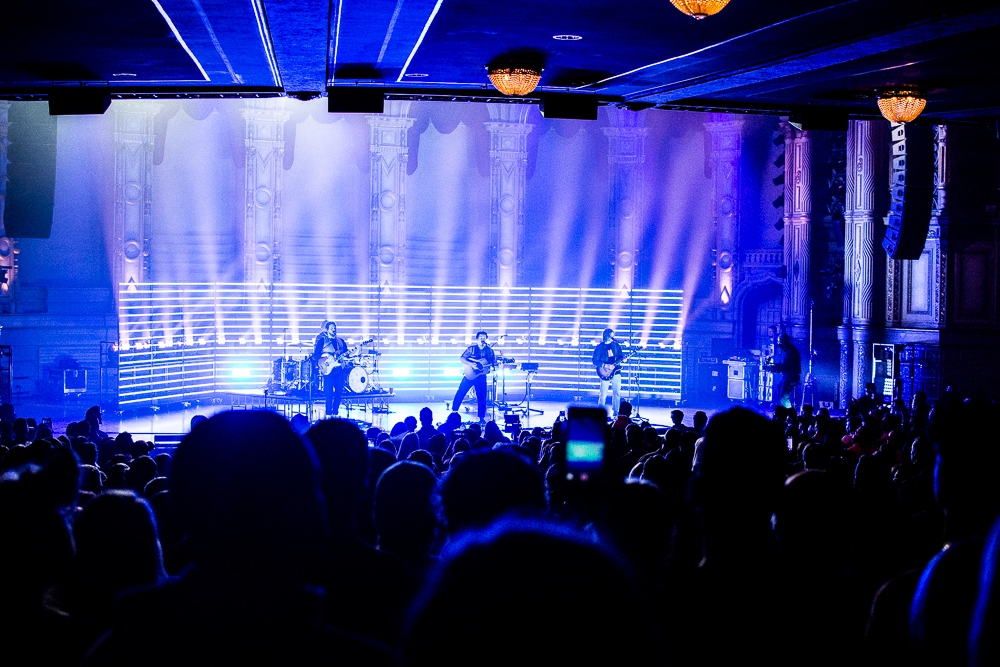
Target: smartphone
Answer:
[[791, 443], [585, 444]]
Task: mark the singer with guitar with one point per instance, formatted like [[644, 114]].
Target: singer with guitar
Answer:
[[607, 359], [329, 351], [477, 361]]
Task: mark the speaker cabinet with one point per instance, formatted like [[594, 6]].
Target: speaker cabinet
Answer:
[[912, 188]]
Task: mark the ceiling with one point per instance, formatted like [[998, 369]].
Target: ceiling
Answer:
[[772, 56]]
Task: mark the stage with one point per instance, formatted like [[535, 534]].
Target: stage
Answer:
[[149, 424]]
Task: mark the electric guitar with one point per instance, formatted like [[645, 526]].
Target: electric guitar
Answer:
[[329, 362], [473, 368], [606, 371]]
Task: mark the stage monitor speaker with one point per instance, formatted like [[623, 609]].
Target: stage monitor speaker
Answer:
[[31, 174], [568, 106], [74, 381], [355, 100], [79, 101], [912, 188]]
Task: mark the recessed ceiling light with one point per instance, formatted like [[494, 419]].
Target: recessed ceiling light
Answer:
[[123, 74], [415, 75], [567, 38]]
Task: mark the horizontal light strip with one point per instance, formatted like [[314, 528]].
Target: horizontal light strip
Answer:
[[420, 332]]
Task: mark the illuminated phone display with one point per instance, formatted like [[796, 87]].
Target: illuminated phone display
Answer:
[[585, 447]]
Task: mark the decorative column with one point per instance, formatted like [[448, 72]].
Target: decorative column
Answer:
[[724, 160], [4, 143], [265, 149], [389, 155], [626, 156], [134, 137], [797, 218], [936, 246], [8, 248], [508, 167], [867, 187]]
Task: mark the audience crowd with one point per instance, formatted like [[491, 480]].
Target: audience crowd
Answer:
[[795, 538]]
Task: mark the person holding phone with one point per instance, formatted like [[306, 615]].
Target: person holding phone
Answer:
[[607, 360]]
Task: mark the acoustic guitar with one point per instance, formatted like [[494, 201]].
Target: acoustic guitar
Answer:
[[329, 362], [473, 368], [606, 371]]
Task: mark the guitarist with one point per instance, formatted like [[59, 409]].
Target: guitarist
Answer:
[[328, 342], [478, 358], [608, 351]]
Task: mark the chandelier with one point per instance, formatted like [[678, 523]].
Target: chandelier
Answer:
[[514, 80], [700, 8], [901, 106]]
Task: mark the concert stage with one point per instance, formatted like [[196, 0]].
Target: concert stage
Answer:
[[148, 424]]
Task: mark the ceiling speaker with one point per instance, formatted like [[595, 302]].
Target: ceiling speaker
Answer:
[[79, 101], [568, 105], [355, 100]]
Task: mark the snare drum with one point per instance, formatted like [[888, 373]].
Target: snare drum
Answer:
[[357, 380]]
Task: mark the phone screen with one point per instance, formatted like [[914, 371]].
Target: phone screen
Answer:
[[585, 445]]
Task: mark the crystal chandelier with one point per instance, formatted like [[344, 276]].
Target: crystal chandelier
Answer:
[[514, 80], [901, 106], [700, 8]]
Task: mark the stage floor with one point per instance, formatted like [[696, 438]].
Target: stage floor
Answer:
[[175, 421]]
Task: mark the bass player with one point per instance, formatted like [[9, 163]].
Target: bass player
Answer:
[[329, 346], [477, 361], [607, 359]]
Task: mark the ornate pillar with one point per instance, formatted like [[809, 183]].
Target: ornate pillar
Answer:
[[797, 218], [8, 248], [626, 157], [134, 137], [389, 155], [727, 145], [867, 186], [4, 143], [265, 148], [936, 245], [508, 166]]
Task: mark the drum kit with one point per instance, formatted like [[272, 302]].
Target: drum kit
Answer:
[[296, 377]]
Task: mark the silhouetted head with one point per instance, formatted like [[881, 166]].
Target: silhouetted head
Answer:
[[344, 461], [484, 486], [37, 545], [139, 473], [496, 591], [966, 465], [740, 471], [409, 444], [247, 489], [404, 508], [422, 456], [116, 548], [426, 417]]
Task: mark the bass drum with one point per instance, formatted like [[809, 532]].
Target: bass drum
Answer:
[[357, 381]]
